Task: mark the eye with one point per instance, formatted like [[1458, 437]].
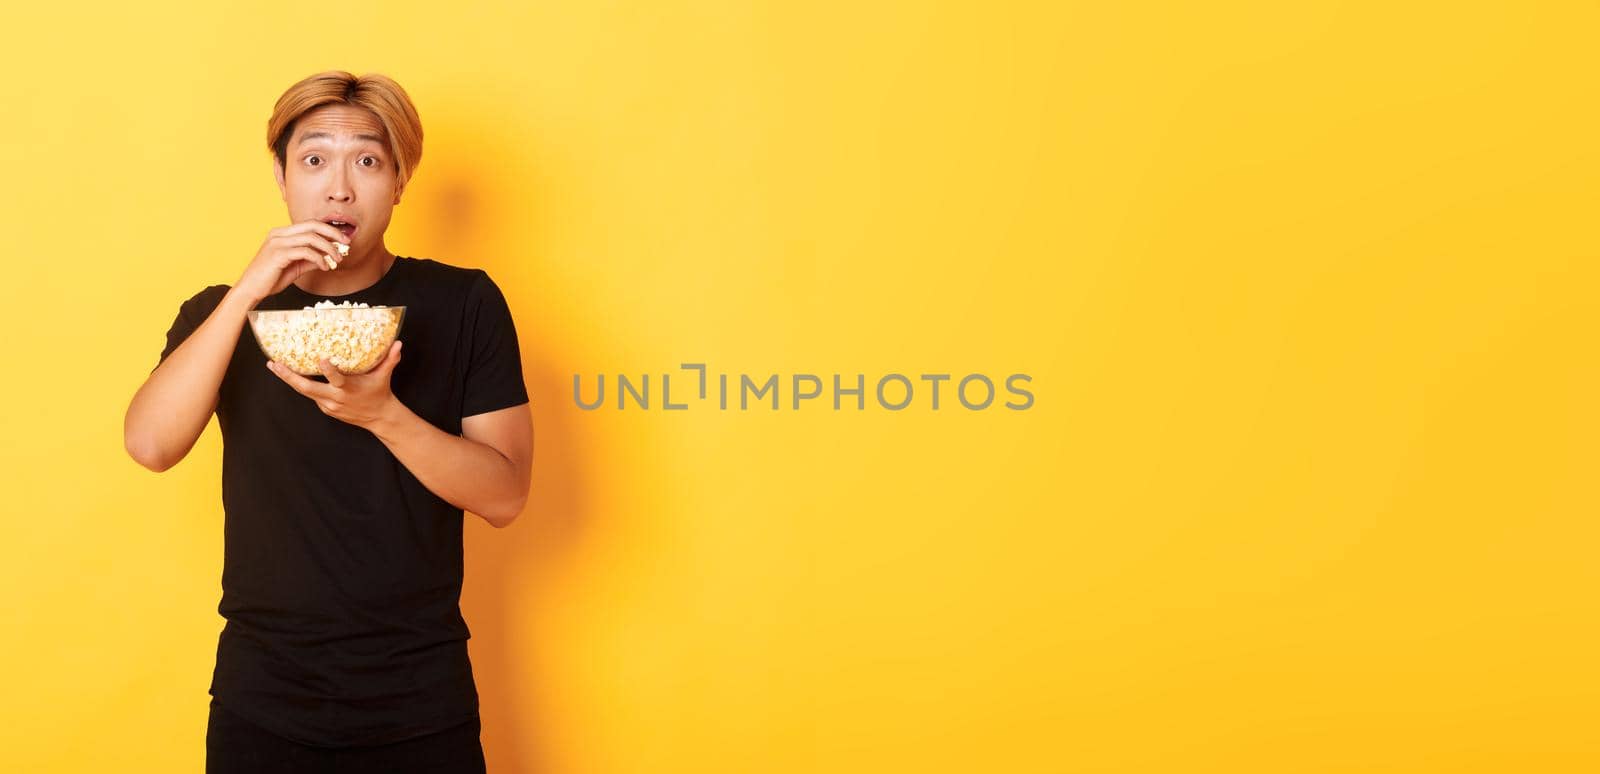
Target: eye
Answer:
[[365, 159], [314, 160]]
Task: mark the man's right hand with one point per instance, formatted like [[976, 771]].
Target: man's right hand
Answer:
[[287, 253]]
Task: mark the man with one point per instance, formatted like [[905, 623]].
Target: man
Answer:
[[344, 647]]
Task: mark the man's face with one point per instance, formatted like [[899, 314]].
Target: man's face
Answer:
[[338, 167]]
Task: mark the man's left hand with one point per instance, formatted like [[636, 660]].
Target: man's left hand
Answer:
[[359, 399]]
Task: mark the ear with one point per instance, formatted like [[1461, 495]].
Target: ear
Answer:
[[277, 172]]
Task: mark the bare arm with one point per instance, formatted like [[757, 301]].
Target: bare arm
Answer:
[[171, 409], [486, 470]]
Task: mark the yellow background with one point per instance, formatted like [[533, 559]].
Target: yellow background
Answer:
[[1304, 289]]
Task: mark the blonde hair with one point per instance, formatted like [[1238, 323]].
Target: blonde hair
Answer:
[[378, 94]]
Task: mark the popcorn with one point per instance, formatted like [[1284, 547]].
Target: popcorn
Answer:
[[353, 337], [344, 250]]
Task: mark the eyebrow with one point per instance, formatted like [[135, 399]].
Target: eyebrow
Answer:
[[325, 136]]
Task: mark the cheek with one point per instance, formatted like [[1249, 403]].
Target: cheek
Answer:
[[376, 224], [379, 201], [299, 204], [378, 189], [298, 189]]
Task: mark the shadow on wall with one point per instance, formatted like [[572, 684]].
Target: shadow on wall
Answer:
[[511, 572]]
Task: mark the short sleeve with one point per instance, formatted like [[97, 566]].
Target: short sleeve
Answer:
[[191, 314], [494, 364]]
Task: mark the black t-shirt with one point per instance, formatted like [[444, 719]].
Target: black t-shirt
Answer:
[[341, 579]]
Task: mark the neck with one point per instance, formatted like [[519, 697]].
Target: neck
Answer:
[[355, 272]]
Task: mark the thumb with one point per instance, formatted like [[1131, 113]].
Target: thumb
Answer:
[[392, 359]]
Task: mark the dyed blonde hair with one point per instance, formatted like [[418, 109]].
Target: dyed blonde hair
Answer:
[[378, 94]]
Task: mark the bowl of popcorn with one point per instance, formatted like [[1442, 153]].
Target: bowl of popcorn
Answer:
[[353, 337]]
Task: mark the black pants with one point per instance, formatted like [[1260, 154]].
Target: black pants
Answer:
[[237, 746]]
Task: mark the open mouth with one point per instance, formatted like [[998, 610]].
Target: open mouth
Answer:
[[349, 229]]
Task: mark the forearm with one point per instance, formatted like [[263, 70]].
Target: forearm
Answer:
[[170, 411], [469, 475]]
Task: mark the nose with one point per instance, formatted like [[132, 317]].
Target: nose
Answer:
[[339, 186]]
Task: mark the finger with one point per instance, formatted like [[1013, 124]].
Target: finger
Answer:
[[317, 226], [311, 256], [313, 240], [328, 369], [300, 384], [312, 227], [327, 254], [390, 359]]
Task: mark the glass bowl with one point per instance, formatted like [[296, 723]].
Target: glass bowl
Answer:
[[353, 338]]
